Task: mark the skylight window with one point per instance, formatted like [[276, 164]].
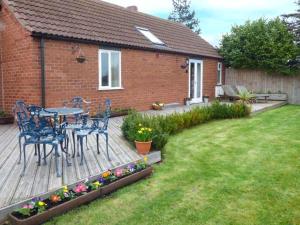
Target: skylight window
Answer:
[[151, 37]]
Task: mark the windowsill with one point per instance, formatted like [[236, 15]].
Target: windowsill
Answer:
[[219, 84], [110, 88]]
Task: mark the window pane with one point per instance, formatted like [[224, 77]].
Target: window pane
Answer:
[[151, 36], [104, 69], [219, 79], [198, 80], [115, 69], [192, 81]]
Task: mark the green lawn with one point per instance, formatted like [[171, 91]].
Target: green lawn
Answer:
[[244, 171]]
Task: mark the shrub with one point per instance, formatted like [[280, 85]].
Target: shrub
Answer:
[[164, 126]]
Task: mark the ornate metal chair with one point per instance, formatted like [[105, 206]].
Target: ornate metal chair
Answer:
[[43, 130], [22, 116], [99, 125], [77, 121]]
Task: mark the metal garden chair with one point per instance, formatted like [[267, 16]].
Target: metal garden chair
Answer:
[[36, 131], [99, 125], [77, 121], [22, 116]]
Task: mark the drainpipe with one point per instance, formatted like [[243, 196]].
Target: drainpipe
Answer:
[[43, 80]]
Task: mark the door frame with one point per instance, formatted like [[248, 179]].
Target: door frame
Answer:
[[196, 100]]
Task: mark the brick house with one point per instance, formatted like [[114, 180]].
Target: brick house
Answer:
[[52, 50]]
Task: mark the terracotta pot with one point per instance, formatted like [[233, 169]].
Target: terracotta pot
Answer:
[[157, 107], [143, 148], [7, 120]]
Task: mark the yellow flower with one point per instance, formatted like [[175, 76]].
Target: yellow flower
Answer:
[[143, 129], [145, 159], [140, 131], [41, 203], [140, 125], [150, 129], [105, 174], [65, 189], [97, 184]]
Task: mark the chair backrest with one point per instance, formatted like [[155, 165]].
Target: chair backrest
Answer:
[[21, 113], [103, 116], [38, 122], [242, 89], [79, 102], [229, 91]]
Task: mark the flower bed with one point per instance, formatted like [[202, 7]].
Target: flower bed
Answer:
[[38, 211]]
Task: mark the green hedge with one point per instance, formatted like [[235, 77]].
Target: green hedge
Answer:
[[166, 125]]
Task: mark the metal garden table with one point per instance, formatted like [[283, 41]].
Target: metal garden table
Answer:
[[63, 113]]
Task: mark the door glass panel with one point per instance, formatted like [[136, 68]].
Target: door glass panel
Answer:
[[115, 69], [192, 80], [104, 69], [198, 80]]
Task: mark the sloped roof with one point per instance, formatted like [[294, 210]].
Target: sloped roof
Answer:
[[99, 21]]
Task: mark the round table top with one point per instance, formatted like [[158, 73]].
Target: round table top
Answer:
[[62, 111]]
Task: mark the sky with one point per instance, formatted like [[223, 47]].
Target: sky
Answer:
[[217, 16]]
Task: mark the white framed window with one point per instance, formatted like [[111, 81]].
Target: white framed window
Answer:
[[150, 36], [219, 73], [109, 69]]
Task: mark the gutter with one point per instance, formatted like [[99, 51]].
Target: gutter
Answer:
[[43, 74]]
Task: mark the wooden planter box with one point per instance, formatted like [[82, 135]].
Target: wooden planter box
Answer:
[[84, 199], [125, 181], [7, 120]]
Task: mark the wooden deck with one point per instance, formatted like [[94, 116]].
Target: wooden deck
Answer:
[[42, 179]]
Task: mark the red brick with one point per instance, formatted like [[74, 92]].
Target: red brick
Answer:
[[146, 76]]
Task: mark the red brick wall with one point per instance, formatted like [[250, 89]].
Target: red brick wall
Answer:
[[210, 77], [1, 99], [20, 63], [146, 76]]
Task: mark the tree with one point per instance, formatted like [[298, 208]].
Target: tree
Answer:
[[293, 22], [262, 44], [182, 13]]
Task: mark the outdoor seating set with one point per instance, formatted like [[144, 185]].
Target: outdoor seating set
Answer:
[[232, 93], [49, 127]]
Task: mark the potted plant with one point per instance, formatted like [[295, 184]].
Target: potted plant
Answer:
[[187, 101], [143, 139], [6, 118], [158, 105]]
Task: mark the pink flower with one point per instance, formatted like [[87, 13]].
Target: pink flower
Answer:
[[28, 206], [80, 188], [118, 172]]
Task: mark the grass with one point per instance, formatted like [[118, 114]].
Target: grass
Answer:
[[244, 171]]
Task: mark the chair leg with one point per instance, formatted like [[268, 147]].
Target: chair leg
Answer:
[[58, 174], [24, 155], [97, 139], [35, 150], [44, 150], [86, 143], [81, 148], [74, 144], [20, 150], [78, 140], [106, 135], [39, 156]]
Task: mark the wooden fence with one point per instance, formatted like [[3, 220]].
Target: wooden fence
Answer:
[[261, 82]]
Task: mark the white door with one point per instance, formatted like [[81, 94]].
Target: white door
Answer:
[[195, 80]]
